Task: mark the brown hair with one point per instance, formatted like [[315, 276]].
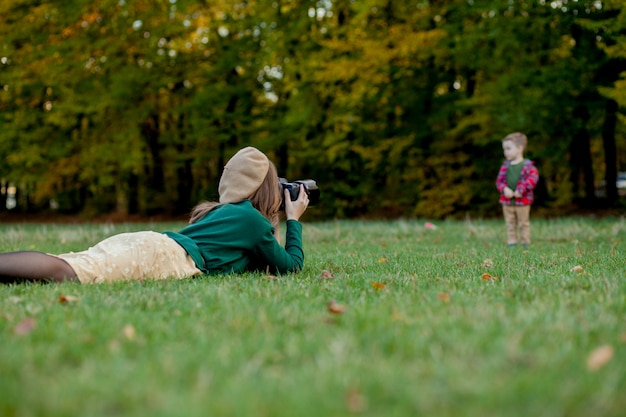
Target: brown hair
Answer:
[[267, 199], [517, 138]]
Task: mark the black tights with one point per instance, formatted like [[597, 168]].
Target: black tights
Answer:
[[34, 266]]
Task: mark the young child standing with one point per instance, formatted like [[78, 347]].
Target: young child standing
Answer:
[[516, 180]]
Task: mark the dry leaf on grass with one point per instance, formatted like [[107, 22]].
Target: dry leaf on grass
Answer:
[[488, 277], [271, 278], [326, 274], [383, 260], [268, 276], [25, 326], [378, 285], [129, 332], [355, 401], [577, 268], [68, 299], [487, 263], [336, 308], [444, 297], [599, 357]]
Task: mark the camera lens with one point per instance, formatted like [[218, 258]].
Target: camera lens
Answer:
[[310, 186]]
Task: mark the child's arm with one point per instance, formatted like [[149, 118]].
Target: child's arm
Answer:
[[528, 180], [501, 180]]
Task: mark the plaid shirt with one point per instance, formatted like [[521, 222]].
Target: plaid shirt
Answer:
[[527, 181]]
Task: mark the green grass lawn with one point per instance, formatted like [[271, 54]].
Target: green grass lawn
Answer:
[[445, 322]]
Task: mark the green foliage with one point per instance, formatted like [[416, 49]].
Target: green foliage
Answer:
[[134, 106]]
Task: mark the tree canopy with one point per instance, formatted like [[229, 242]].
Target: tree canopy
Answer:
[[395, 108]]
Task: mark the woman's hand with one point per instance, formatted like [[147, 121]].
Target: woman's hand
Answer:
[[295, 209]]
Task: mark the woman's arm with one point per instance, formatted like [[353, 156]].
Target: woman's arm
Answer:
[[270, 255], [291, 257]]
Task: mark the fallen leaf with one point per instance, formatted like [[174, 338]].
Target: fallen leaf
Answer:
[[129, 332], [488, 277], [382, 260], [68, 299], [378, 285], [599, 357], [336, 308], [397, 315], [355, 401], [271, 278], [487, 263], [25, 326], [326, 274], [577, 268], [443, 297]]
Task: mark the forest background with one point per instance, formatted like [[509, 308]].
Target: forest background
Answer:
[[396, 108]]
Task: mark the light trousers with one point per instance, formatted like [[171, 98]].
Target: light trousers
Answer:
[[517, 218]]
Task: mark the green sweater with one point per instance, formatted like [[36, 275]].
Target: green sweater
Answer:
[[235, 237]]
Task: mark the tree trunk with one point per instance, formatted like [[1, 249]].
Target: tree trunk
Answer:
[[580, 157], [151, 134], [184, 186], [154, 169], [610, 150]]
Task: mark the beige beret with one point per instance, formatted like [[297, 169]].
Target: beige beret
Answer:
[[243, 175]]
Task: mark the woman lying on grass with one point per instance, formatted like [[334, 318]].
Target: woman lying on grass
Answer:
[[238, 233]]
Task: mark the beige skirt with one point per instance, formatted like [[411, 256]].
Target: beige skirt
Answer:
[[132, 256]]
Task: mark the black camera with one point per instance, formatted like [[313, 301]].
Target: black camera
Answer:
[[310, 187]]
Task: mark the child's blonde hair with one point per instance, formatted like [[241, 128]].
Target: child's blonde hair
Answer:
[[519, 139]]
